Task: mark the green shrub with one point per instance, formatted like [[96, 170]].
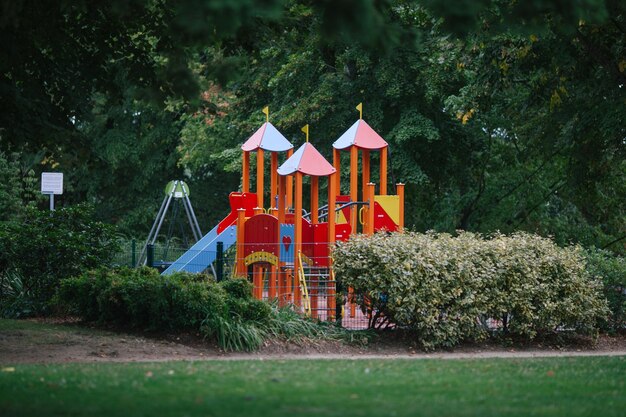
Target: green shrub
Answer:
[[238, 288], [45, 247], [446, 289], [141, 298], [16, 302], [611, 269]]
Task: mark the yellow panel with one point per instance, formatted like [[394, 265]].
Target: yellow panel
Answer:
[[340, 219], [261, 257], [391, 205]]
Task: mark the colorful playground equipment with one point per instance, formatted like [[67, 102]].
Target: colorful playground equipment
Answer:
[[284, 249]]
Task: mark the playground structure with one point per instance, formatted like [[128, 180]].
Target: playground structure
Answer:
[[176, 195], [283, 249]]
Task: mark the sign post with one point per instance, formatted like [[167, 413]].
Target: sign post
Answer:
[[51, 184]]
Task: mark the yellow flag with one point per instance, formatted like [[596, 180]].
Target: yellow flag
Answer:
[[359, 107], [305, 129], [266, 111]]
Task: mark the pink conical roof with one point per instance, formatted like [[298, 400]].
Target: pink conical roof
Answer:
[[268, 138], [362, 136], [308, 161]]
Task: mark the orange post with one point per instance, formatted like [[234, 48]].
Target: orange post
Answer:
[[365, 170], [314, 199], [241, 221], [271, 287], [282, 287], [313, 285], [273, 179], [258, 210], [257, 281], [281, 201], [332, 192], [383, 171], [354, 184], [400, 192], [371, 187], [289, 184], [365, 157], [259, 177], [337, 166], [245, 172], [297, 238]]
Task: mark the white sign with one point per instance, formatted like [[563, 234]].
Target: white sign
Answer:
[[52, 183]]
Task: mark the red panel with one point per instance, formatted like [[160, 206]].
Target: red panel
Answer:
[[320, 244], [238, 200], [342, 232], [260, 233], [307, 238], [382, 221]]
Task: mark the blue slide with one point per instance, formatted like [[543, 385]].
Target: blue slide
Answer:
[[204, 252]]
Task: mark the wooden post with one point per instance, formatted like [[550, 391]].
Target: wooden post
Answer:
[[337, 166], [241, 221], [354, 184], [245, 172], [332, 290], [289, 184], [297, 238], [400, 192], [273, 179], [259, 176], [371, 187], [314, 199], [383, 171]]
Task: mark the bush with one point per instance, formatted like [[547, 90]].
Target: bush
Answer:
[[446, 289], [141, 298], [611, 269], [45, 247], [15, 302]]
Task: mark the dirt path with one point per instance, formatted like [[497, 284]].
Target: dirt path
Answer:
[[50, 343]]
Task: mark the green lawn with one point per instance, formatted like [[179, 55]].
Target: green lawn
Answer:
[[591, 386]]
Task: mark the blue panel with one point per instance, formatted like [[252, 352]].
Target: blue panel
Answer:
[[204, 252], [286, 251]]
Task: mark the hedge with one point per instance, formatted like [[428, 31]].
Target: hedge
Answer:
[[445, 289], [141, 298]]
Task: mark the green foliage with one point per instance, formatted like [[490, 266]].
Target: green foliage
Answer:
[[447, 289], [9, 189], [238, 288], [141, 298], [15, 300], [611, 270], [45, 247]]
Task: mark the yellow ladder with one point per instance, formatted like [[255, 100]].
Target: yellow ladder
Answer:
[[306, 301]]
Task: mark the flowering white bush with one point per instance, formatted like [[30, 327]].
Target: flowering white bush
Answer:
[[446, 289]]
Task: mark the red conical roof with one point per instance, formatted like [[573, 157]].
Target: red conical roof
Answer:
[[308, 161], [268, 138], [362, 136]]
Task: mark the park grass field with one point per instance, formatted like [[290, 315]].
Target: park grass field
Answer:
[[581, 386]]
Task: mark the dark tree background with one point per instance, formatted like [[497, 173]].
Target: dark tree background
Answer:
[[501, 115]]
